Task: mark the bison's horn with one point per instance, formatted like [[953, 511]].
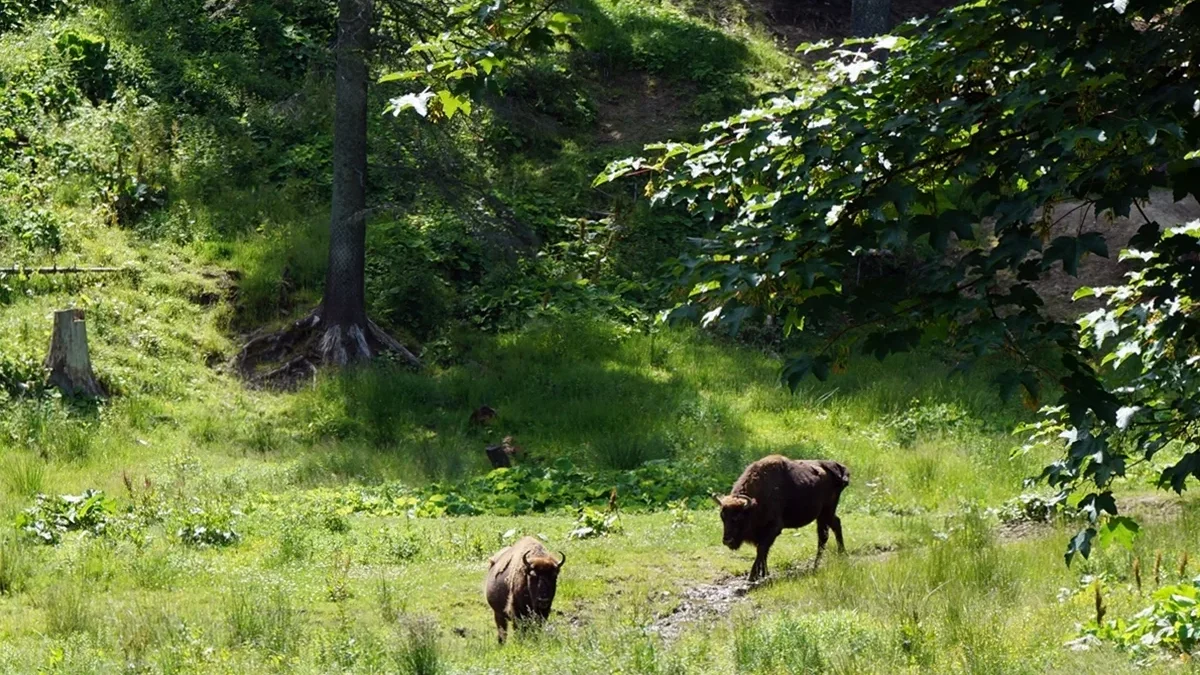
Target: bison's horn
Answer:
[[563, 561], [716, 499], [525, 558]]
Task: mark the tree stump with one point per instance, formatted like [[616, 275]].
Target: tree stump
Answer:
[[69, 363], [501, 455]]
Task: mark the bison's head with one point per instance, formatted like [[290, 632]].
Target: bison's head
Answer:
[[542, 575], [736, 511]]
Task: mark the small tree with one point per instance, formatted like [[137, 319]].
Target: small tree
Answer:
[[477, 41]]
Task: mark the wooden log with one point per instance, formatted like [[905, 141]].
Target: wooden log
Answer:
[[69, 362]]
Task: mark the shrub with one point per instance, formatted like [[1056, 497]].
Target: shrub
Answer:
[[50, 517], [89, 57], [208, 527], [15, 12], [403, 546], [594, 523], [1030, 507], [1169, 628], [295, 540], [533, 489], [922, 418]]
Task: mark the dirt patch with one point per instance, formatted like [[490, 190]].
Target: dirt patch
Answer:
[[700, 603], [638, 108], [1146, 509], [1072, 219], [219, 286]]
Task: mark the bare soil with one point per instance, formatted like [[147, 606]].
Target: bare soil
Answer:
[[702, 602], [638, 108], [1057, 287]]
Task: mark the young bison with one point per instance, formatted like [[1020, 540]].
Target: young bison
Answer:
[[520, 583], [776, 493]]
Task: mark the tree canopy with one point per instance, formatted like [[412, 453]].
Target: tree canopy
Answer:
[[979, 122]]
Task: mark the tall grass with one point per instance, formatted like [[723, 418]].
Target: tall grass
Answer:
[[69, 609], [264, 617], [420, 653], [16, 565], [24, 476]]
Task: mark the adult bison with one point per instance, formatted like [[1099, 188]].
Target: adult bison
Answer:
[[776, 493], [520, 584]]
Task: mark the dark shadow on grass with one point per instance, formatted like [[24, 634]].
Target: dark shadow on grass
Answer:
[[569, 389]]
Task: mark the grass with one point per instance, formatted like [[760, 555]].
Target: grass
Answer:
[[241, 538], [311, 585]]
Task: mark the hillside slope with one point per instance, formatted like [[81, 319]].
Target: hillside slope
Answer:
[[346, 527]]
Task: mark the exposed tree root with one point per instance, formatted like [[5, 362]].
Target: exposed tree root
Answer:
[[287, 358]]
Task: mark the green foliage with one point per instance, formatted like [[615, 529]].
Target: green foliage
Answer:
[[1167, 629], [594, 523], [993, 110], [656, 37], [479, 41], [1030, 507], [530, 489], [405, 278], [928, 418], [51, 517], [15, 12], [24, 475], [208, 526], [805, 643], [89, 57], [69, 609]]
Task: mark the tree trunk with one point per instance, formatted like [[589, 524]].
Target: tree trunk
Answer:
[[343, 310], [871, 17], [337, 332], [68, 361]]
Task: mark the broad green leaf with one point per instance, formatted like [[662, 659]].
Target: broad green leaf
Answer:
[[1080, 544], [1119, 530]]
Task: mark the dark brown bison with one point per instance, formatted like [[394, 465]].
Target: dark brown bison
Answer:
[[482, 416], [776, 493], [520, 584]]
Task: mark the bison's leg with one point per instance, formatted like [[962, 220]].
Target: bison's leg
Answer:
[[836, 524], [759, 569], [822, 539], [501, 625]]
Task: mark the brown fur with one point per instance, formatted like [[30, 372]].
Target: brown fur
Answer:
[[482, 416], [521, 582], [775, 493]]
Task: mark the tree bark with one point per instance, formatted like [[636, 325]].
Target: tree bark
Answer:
[[343, 310], [871, 17], [69, 363]]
